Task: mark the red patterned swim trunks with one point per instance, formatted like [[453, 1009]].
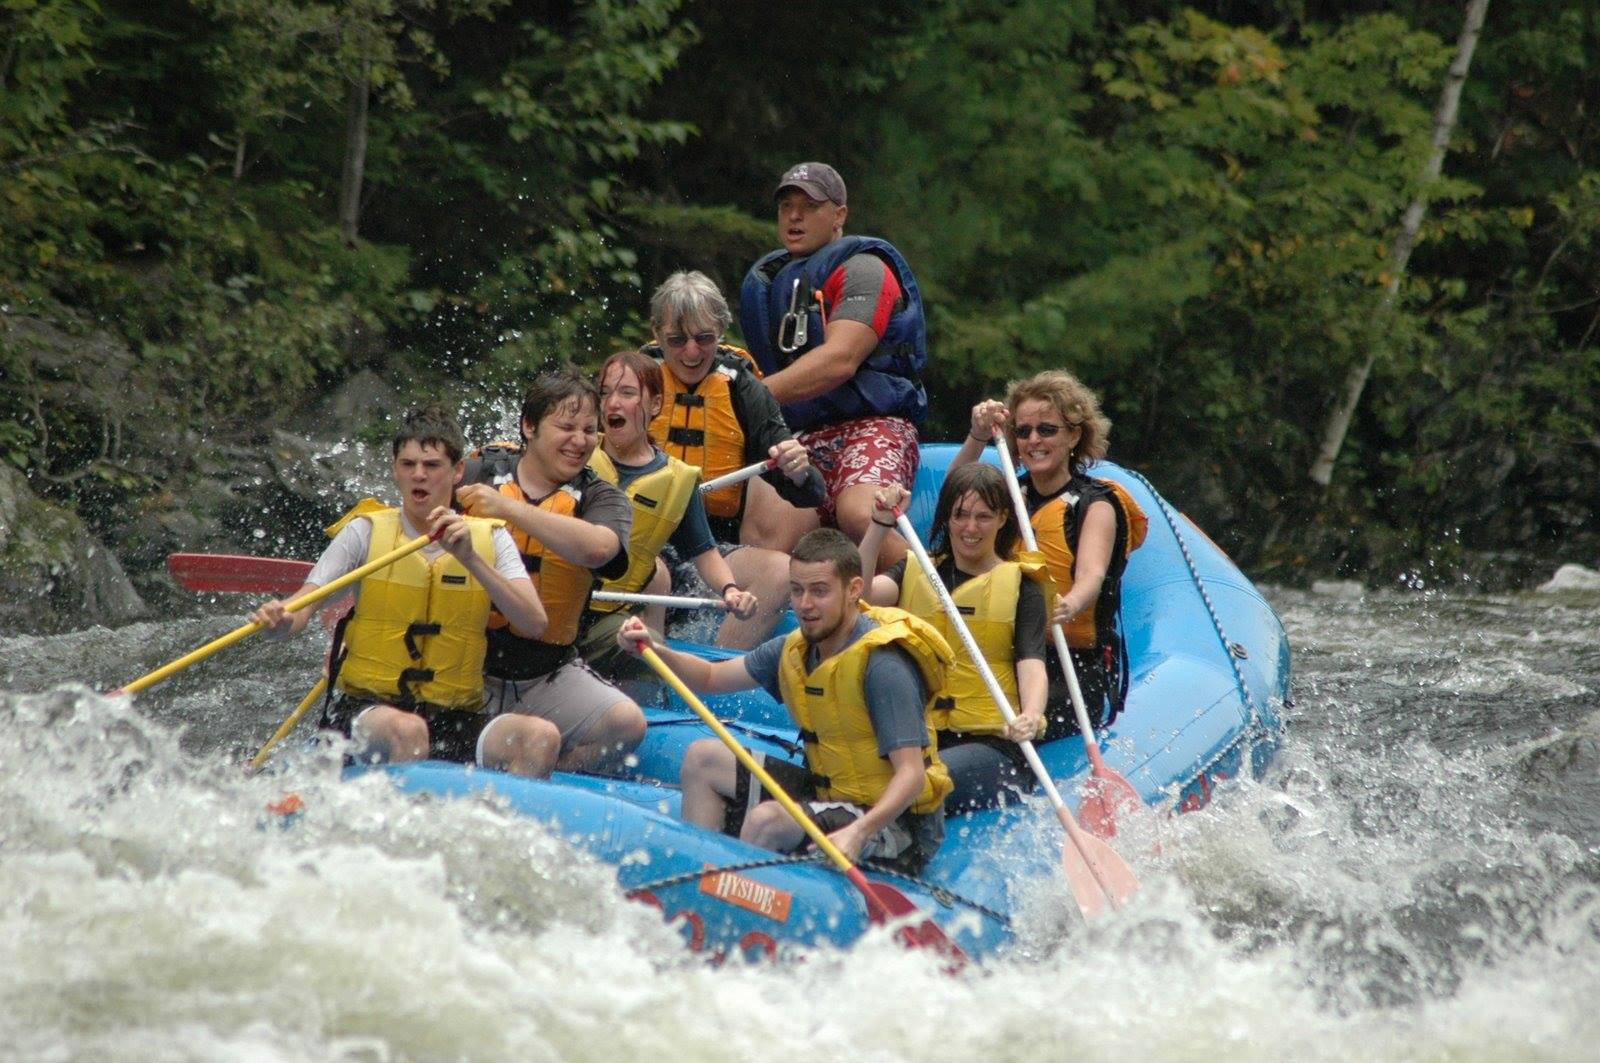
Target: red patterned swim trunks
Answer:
[[868, 450]]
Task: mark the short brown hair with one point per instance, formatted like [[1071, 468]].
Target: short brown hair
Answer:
[[1075, 404], [430, 426], [833, 546], [646, 368], [551, 391]]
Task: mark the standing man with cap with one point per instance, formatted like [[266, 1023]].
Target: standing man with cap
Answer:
[[836, 324]]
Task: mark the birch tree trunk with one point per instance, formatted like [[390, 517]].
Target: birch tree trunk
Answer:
[[1444, 121], [355, 152]]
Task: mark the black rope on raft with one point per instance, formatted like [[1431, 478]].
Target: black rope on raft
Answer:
[[944, 896], [749, 865]]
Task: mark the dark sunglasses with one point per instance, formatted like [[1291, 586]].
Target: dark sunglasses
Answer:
[[678, 342], [1023, 431]]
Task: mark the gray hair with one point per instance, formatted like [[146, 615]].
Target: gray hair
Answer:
[[689, 295]]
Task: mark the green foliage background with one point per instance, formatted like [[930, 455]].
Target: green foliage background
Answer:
[[1190, 205]]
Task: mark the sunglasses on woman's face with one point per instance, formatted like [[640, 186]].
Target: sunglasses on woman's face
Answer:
[[678, 341], [1023, 431]]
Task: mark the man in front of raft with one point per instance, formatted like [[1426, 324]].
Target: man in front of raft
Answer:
[[836, 324], [409, 661], [859, 681]]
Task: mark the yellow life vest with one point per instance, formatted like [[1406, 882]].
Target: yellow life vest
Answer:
[[988, 604], [1057, 523], [699, 427], [660, 499], [563, 586], [417, 633], [830, 705]]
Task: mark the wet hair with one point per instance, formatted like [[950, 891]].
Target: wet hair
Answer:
[[830, 545], [646, 368], [430, 426], [1074, 403], [688, 296], [989, 484], [554, 390]]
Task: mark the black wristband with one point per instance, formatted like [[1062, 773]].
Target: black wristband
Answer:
[[731, 583], [975, 439], [880, 523]]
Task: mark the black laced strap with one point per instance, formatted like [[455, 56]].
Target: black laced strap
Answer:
[[415, 629]]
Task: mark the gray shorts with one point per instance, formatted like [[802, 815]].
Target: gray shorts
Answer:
[[572, 697]]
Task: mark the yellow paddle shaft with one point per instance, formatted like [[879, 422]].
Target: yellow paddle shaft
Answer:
[[288, 725], [311, 597], [743, 754]]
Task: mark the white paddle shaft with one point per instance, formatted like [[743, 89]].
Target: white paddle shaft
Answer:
[[671, 601], [1057, 636], [1074, 832], [738, 476]]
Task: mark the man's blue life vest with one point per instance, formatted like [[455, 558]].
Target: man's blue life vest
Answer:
[[888, 383]]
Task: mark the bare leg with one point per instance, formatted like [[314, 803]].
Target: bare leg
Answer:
[[771, 522], [853, 513], [617, 733], [384, 733], [770, 826], [708, 779], [764, 573], [522, 745]]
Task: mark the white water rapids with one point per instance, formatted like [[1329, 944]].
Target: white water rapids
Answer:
[[1417, 878]]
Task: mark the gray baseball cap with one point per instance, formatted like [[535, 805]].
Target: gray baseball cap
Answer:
[[816, 179]]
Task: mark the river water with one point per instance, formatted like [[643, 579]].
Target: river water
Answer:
[[1416, 878]]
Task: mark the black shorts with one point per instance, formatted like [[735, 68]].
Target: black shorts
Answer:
[[905, 844], [1094, 679], [452, 733]]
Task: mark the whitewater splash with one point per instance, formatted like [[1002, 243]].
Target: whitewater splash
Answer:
[[1416, 878]]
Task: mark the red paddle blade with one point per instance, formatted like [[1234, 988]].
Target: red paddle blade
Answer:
[[238, 573], [1105, 797], [1098, 876], [919, 930]]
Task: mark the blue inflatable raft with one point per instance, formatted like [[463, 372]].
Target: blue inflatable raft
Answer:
[[1209, 667]]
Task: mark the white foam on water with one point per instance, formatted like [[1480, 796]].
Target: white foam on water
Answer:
[[1375, 904], [1571, 577]]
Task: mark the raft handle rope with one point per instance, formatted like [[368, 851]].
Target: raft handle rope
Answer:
[[1234, 651], [944, 896]]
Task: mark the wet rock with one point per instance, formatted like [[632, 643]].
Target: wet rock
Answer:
[[54, 574]]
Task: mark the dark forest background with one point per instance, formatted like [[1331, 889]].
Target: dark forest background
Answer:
[[229, 207]]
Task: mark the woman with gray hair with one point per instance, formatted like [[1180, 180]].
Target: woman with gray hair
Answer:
[[717, 414]]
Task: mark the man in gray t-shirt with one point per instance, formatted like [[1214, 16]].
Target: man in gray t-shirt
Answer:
[[878, 796]]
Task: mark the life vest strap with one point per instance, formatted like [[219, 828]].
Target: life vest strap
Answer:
[[415, 629], [689, 398], [408, 699], [686, 437]]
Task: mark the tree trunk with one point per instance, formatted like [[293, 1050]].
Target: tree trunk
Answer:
[[355, 152], [1444, 121]]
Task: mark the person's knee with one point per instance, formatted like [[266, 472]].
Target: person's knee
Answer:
[[703, 761], [387, 733], [623, 725], [768, 826], [525, 745]]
